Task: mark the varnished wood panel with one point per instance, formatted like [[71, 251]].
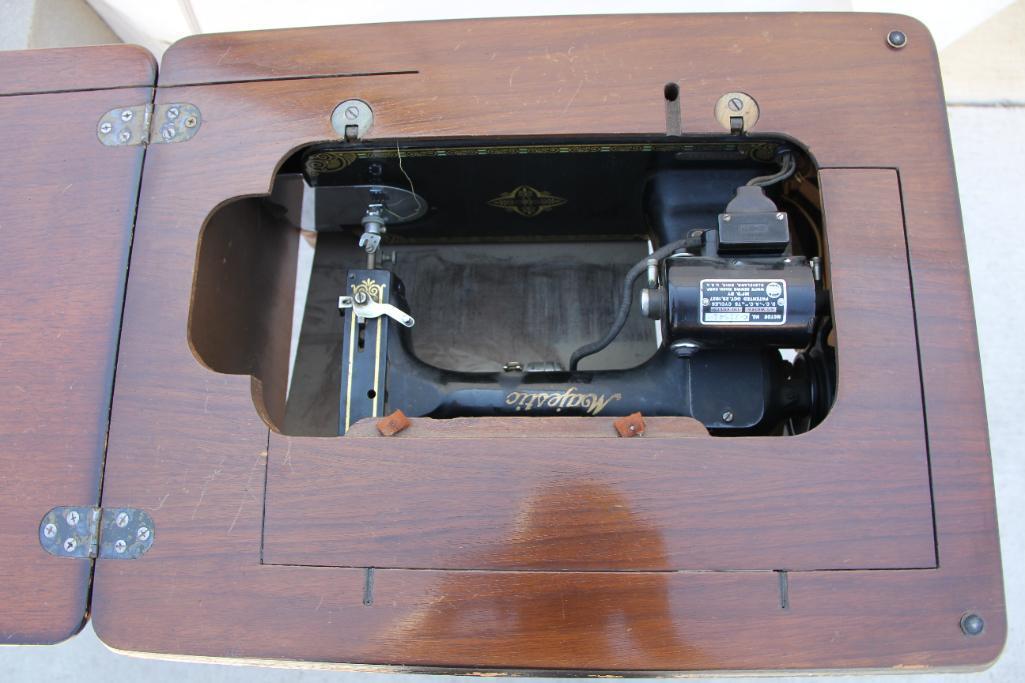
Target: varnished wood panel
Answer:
[[594, 75], [77, 68], [187, 444], [527, 427], [246, 264], [67, 204]]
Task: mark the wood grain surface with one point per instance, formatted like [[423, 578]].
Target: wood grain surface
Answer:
[[527, 427], [187, 444], [67, 204], [97, 67]]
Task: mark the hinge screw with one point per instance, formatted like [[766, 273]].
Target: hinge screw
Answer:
[[105, 127], [780, 216], [122, 519], [120, 546], [70, 545], [72, 517], [126, 115], [125, 136], [167, 132], [172, 113], [727, 416], [727, 217], [191, 122], [143, 533], [50, 530]]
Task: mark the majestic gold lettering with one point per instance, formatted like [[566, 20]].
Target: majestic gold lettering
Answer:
[[592, 404]]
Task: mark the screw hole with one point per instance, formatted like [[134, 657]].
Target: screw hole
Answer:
[[671, 92], [371, 394]]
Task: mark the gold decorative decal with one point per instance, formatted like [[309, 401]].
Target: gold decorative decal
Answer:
[[375, 290], [326, 162], [329, 161], [570, 398], [526, 201]]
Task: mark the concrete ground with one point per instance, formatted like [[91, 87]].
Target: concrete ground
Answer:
[[989, 146]]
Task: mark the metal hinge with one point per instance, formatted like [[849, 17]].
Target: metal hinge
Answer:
[[88, 532], [142, 124]]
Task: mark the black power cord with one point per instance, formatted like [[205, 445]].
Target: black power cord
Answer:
[[626, 301], [787, 168]]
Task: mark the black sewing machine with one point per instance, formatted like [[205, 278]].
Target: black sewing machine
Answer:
[[670, 278]]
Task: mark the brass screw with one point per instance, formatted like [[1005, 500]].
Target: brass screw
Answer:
[[190, 122]]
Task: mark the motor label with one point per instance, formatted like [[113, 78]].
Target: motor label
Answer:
[[743, 302]]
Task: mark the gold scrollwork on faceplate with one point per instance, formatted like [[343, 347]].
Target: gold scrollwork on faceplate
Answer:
[[527, 201], [375, 290]]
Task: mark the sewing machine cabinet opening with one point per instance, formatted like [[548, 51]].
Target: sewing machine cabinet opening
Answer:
[[469, 278]]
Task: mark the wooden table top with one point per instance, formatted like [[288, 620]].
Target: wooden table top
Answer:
[[859, 545]]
